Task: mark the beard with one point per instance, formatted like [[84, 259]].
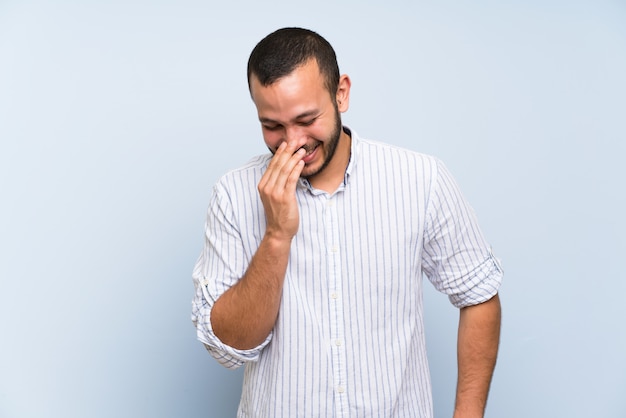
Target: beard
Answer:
[[330, 146]]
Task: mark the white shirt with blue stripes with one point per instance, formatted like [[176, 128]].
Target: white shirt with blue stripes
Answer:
[[349, 338]]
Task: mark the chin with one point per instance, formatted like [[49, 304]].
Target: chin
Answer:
[[309, 172]]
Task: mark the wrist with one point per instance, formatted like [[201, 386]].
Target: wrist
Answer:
[[277, 241], [459, 414], [468, 411]]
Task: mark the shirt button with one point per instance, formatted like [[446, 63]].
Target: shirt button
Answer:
[[334, 249], [341, 389], [338, 343], [334, 295]]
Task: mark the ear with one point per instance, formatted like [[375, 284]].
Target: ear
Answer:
[[343, 93]]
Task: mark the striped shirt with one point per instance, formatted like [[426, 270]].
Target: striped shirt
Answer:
[[349, 338]]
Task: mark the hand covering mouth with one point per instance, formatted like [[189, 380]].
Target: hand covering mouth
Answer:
[[308, 148]]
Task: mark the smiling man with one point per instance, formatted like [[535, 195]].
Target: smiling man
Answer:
[[311, 271]]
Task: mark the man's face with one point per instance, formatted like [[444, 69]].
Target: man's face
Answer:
[[298, 108]]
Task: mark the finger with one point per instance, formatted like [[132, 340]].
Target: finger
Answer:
[[282, 153], [294, 176], [282, 165], [290, 172], [268, 175], [283, 173], [275, 163]]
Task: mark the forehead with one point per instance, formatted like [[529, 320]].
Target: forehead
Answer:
[[300, 91]]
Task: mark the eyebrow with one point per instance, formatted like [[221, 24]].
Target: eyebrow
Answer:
[[303, 115]]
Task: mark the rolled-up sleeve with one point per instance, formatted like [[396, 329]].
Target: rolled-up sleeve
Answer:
[[221, 264], [457, 259]]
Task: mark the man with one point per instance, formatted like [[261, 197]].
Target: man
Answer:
[[311, 271]]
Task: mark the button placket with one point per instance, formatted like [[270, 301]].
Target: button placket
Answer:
[[337, 336]]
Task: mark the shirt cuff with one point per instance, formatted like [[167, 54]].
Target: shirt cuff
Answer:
[[480, 285], [226, 355]]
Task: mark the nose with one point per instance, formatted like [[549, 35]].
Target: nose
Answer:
[[296, 135]]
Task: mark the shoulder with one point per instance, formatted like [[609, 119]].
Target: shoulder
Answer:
[[378, 146], [387, 156], [246, 176], [249, 172]]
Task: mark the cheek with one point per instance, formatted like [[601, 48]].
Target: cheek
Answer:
[[319, 132], [272, 140]]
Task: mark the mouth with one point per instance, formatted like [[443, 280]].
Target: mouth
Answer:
[[308, 148], [310, 151]]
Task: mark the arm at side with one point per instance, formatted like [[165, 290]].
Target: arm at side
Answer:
[[477, 350]]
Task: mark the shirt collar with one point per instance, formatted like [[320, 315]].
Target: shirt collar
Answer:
[[354, 151]]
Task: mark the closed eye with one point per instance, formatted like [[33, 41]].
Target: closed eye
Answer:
[[307, 122], [272, 127]]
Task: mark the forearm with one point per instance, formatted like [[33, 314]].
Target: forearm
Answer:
[[477, 350], [244, 315]]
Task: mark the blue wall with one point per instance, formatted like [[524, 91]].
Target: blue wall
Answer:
[[116, 118]]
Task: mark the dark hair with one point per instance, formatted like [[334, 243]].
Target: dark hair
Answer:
[[281, 52]]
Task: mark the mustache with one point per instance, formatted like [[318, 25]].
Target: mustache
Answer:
[[306, 147]]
